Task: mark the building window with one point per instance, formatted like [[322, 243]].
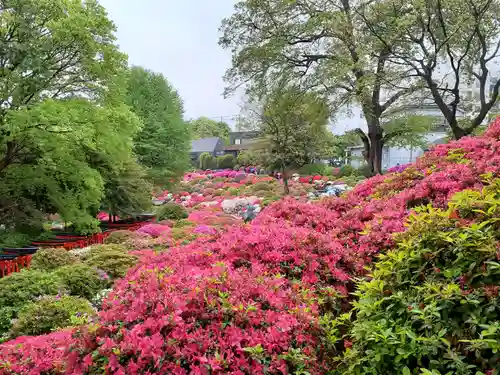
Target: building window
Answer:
[[237, 141]]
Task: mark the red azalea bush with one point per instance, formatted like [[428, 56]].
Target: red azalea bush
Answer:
[[208, 320], [217, 306], [36, 355]]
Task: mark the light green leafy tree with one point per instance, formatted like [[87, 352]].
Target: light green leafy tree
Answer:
[[57, 172], [59, 97], [203, 127], [163, 144], [321, 46], [293, 124]]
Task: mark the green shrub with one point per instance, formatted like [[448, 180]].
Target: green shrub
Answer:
[[312, 169], [433, 304], [50, 259], [171, 211], [262, 186], [96, 249], [114, 262], [183, 234], [346, 170], [81, 280], [119, 236], [328, 171], [364, 171], [183, 223], [250, 158], [208, 161], [20, 288], [234, 191], [48, 314], [269, 200], [226, 161], [202, 160], [9, 238]]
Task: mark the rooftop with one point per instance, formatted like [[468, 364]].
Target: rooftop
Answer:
[[204, 144]]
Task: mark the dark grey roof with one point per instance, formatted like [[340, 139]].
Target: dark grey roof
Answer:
[[204, 144]]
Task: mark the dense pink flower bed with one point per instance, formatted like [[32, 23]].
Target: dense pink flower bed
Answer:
[[247, 300]]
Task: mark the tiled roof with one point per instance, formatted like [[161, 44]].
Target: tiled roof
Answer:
[[204, 144]]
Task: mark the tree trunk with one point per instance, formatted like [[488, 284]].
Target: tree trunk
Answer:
[[285, 179], [457, 131], [375, 135]]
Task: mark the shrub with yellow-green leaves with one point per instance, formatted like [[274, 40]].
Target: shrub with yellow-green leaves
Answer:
[[112, 259], [82, 280], [50, 313], [50, 259], [433, 304]]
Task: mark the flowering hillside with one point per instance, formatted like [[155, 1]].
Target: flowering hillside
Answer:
[[257, 298]]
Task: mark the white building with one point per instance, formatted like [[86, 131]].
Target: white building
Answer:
[[392, 156]]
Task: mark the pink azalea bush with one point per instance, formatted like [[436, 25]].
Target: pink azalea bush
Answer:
[[249, 299], [154, 230]]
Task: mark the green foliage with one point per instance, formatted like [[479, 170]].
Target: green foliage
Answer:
[[80, 29], [234, 191], [364, 171], [119, 236], [50, 259], [127, 190], [48, 314], [404, 131], [204, 127], [433, 303], [108, 247], [313, 169], [57, 106], [201, 159], [293, 124], [82, 280], [207, 161], [184, 223], [21, 288], [263, 186], [346, 170], [226, 162], [10, 238], [171, 211], [114, 262], [250, 158], [163, 144]]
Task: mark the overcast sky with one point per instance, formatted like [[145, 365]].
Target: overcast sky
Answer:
[[179, 39]]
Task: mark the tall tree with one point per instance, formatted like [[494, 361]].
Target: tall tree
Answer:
[[163, 143], [451, 45], [323, 46], [52, 49], [56, 171], [293, 125], [59, 105], [203, 127]]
